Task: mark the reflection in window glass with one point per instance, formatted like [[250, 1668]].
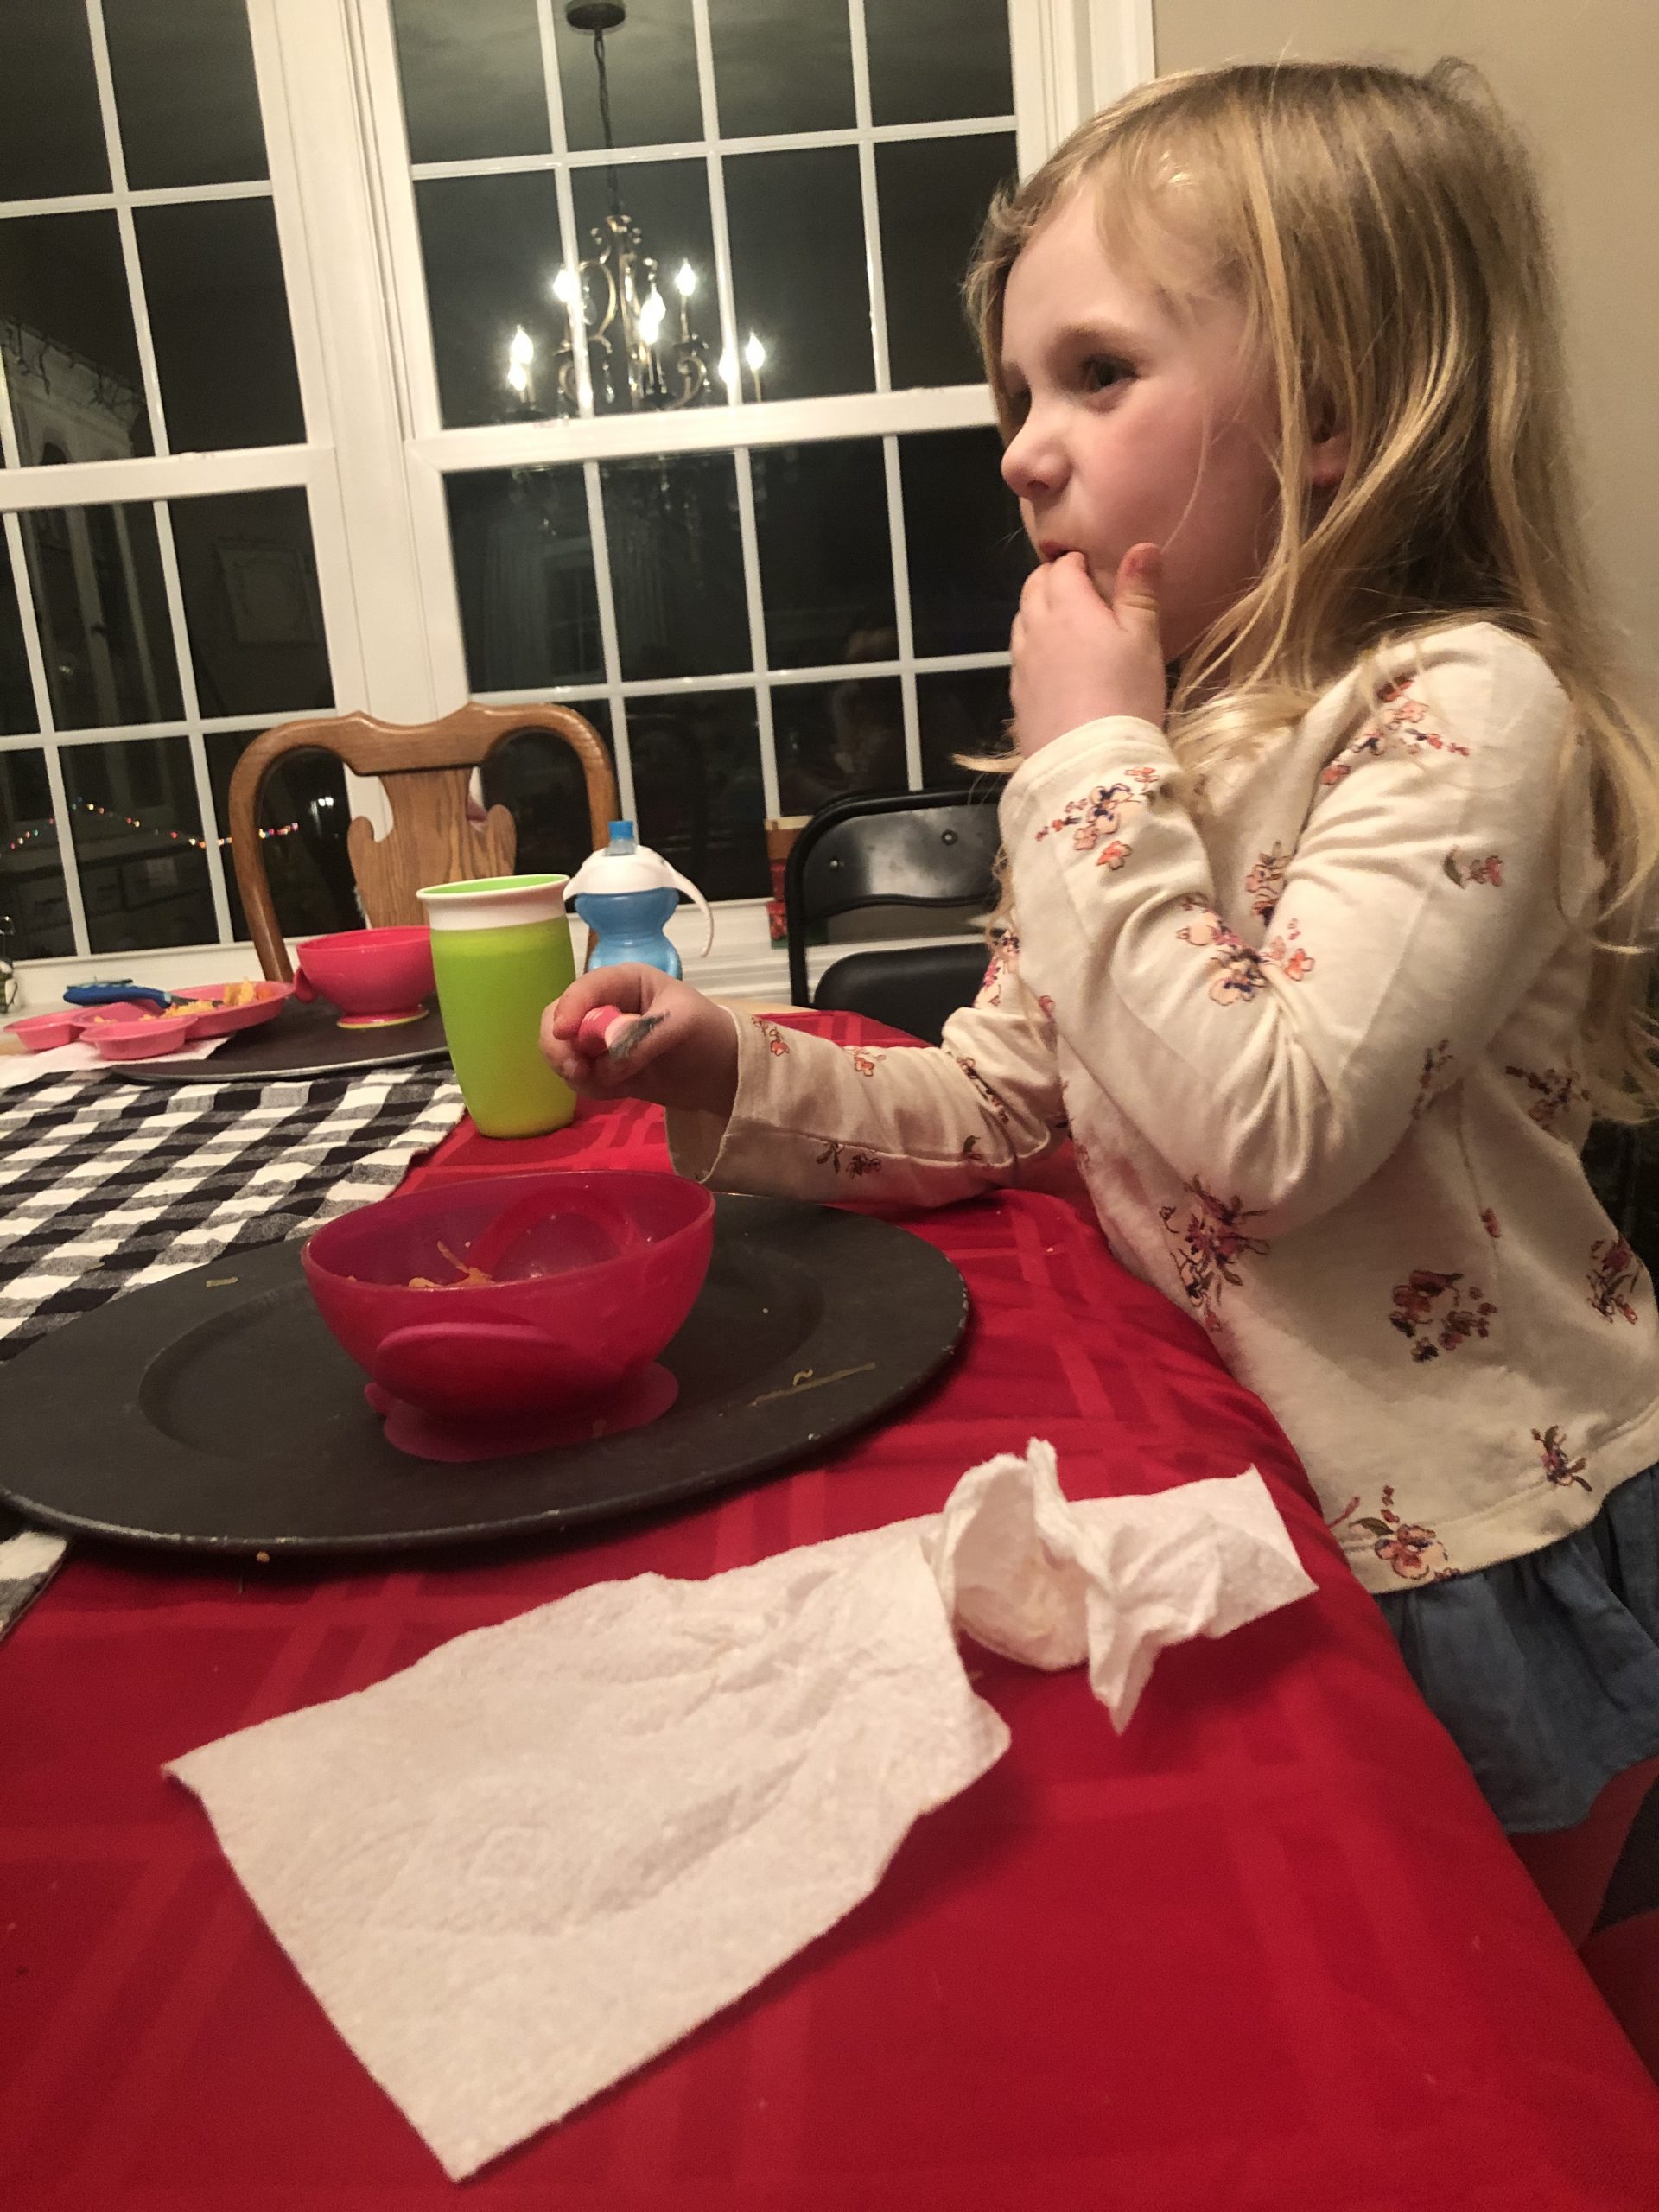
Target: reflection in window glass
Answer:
[[677, 565], [218, 316], [834, 740], [781, 68], [799, 273], [139, 844], [16, 693], [826, 561], [51, 136], [34, 921], [524, 577], [248, 578], [964, 710], [184, 92], [538, 778], [967, 554], [696, 774], [668, 204], [472, 79], [66, 340], [96, 576], [491, 249], [931, 59], [933, 194], [304, 813], [651, 63]]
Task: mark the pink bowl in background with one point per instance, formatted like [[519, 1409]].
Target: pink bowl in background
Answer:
[[589, 1276], [374, 976]]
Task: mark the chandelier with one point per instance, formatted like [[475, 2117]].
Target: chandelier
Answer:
[[610, 301]]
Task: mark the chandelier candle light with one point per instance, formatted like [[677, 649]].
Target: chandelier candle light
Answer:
[[612, 301]]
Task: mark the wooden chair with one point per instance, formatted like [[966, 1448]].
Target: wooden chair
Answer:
[[425, 768]]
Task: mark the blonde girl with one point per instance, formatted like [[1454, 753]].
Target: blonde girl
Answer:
[[1324, 951]]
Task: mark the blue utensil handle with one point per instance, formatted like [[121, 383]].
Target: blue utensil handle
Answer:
[[112, 993]]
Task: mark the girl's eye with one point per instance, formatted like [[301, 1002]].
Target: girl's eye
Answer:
[[1103, 373]]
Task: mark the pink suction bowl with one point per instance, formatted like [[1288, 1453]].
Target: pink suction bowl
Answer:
[[372, 976], [590, 1276]]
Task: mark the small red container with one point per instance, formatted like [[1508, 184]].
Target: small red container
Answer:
[[374, 976], [588, 1277]]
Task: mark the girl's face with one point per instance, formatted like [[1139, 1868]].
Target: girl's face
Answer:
[[1135, 423]]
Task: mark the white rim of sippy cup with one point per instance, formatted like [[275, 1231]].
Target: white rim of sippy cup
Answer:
[[493, 900]]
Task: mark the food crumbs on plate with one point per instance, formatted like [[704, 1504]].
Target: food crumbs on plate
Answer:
[[264, 1558]]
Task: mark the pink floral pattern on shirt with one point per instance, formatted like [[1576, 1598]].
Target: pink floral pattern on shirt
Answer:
[[1558, 1469], [1004, 956], [1438, 1315], [1558, 1090], [1399, 726], [777, 1042], [1207, 1245], [1097, 819], [1240, 971], [1615, 1271], [1237, 966], [1264, 882], [847, 1159], [1435, 1062], [1412, 1548], [1489, 870], [980, 1085]]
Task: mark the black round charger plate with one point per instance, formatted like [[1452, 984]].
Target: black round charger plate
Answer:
[[305, 1039], [214, 1412]]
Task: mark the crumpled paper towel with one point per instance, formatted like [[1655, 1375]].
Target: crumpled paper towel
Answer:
[[523, 1867]]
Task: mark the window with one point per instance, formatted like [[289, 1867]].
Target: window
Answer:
[[384, 353]]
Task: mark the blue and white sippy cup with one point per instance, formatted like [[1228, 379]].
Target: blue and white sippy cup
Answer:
[[624, 895]]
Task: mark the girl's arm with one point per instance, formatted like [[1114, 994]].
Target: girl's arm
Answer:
[[1414, 913], [913, 1124]]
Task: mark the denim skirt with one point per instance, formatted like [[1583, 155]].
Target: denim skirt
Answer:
[[1545, 1669]]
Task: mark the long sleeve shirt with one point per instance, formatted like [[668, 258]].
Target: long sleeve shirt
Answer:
[[1317, 1058]]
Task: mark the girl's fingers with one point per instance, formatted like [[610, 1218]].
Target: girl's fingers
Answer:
[[627, 988], [1135, 592]]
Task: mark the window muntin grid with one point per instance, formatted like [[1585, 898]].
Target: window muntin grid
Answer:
[[135, 634], [952, 159]]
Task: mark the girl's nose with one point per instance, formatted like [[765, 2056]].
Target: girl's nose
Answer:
[[1031, 465]]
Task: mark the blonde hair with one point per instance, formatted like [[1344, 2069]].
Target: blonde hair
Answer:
[[1383, 234]]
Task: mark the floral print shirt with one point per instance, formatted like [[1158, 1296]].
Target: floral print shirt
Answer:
[[1317, 1052]]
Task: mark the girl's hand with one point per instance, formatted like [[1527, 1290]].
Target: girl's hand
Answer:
[[688, 1059], [1076, 658]]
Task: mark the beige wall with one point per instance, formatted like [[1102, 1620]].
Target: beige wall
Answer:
[[1582, 80]]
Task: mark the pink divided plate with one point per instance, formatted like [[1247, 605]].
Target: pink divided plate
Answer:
[[223, 1019], [43, 1033]]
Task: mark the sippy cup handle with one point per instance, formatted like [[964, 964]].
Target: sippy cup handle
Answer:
[[698, 901]]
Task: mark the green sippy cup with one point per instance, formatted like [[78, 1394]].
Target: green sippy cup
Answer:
[[501, 955]]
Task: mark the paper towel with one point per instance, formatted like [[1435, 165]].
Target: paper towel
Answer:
[[523, 1867]]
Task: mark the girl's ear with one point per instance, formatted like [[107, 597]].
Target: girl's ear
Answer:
[[1327, 460], [1328, 447]]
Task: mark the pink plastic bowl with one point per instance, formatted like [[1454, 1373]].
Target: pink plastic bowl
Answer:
[[368, 972], [590, 1276]]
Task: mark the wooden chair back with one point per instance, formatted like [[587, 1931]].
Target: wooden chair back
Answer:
[[425, 768]]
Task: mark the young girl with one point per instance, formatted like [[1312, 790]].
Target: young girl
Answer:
[[1325, 956]]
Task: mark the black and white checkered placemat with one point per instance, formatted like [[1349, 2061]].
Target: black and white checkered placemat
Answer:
[[106, 1186]]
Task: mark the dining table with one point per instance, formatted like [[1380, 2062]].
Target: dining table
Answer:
[[1266, 1951]]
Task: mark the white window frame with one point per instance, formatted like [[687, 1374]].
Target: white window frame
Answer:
[[377, 453]]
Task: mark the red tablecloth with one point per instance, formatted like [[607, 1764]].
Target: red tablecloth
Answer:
[[1266, 1953]]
